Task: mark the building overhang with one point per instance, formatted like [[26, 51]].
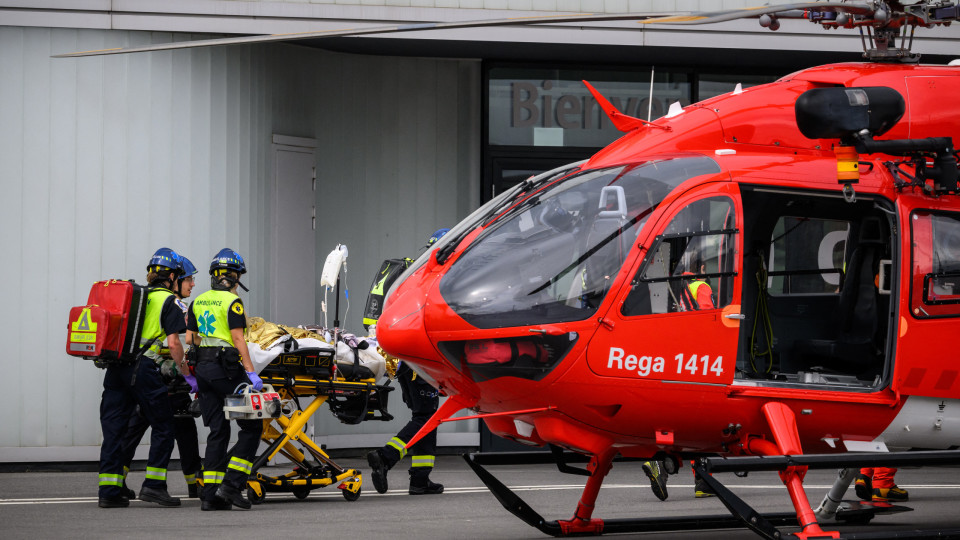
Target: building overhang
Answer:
[[797, 43]]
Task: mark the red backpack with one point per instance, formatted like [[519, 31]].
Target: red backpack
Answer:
[[108, 328]]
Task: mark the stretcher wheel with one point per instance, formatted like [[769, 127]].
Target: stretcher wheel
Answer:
[[301, 492], [254, 498], [349, 495]]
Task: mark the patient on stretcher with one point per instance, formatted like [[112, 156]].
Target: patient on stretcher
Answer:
[[267, 340]]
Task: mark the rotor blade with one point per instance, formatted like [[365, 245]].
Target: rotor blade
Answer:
[[391, 29], [705, 17], [708, 17]]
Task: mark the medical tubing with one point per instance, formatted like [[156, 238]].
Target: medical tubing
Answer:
[[346, 290], [325, 322], [762, 313]]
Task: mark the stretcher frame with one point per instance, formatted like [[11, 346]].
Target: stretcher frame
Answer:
[[313, 373]]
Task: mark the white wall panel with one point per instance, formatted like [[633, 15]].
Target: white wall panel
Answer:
[[62, 248], [12, 90], [103, 160], [88, 236], [32, 259]]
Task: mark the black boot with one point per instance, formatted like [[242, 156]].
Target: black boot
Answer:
[[216, 504], [379, 470], [114, 502], [657, 477], [127, 492], [420, 483], [701, 489], [159, 496], [863, 487], [233, 495], [428, 488], [192, 491]]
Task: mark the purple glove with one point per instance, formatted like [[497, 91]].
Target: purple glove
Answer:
[[255, 380], [192, 381]]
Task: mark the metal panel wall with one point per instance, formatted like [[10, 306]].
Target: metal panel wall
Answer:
[[103, 160]]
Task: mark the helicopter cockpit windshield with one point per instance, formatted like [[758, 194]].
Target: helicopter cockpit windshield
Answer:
[[449, 242], [552, 257]]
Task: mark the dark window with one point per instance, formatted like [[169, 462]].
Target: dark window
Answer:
[[935, 264]]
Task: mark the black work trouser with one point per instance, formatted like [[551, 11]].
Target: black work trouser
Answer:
[[215, 383], [124, 387], [184, 431], [423, 400]]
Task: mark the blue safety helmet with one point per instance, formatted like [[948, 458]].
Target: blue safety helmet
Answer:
[[228, 259], [437, 236], [187, 268], [165, 260]]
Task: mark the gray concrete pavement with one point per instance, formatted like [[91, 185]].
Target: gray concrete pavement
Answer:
[[64, 505]]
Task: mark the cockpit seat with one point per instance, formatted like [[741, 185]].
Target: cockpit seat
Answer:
[[856, 349], [606, 243]]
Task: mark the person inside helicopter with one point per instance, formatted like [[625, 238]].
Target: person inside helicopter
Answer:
[[696, 293]]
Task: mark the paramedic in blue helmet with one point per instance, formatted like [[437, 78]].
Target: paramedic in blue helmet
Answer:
[[184, 425], [139, 382], [423, 400], [216, 325]]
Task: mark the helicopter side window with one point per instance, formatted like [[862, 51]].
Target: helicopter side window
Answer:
[[691, 265], [935, 280]]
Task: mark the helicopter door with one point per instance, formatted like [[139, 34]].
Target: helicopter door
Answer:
[[934, 290], [678, 320]]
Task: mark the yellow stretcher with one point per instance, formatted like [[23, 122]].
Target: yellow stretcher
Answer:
[[353, 397]]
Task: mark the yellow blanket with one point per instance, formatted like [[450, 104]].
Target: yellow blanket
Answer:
[[266, 334]]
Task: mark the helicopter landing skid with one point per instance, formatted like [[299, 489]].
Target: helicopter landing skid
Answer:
[[742, 515]]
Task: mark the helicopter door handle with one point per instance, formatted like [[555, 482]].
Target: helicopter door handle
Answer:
[[548, 330], [738, 316]]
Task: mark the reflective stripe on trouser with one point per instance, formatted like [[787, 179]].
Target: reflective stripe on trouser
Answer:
[[117, 404], [397, 444], [422, 461], [215, 383], [190, 478], [241, 465], [184, 431], [111, 479], [156, 473], [423, 401], [212, 477]]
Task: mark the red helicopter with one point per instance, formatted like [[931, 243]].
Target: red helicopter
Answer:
[[771, 276], [820, 213]]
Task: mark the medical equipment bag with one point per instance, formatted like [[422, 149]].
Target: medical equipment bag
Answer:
[[108, 328]]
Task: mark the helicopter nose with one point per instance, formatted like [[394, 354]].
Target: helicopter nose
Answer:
[[401, 331]]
